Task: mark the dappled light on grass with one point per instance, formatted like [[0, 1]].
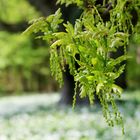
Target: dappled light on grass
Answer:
[[39, 117]]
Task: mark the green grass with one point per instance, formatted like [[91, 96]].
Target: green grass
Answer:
[[39, 117]]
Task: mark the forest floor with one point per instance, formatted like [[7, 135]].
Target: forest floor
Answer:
[[39, 117]]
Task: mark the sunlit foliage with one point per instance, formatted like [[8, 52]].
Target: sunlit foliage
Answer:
[[92, 38], [13, 11], [21, 58]]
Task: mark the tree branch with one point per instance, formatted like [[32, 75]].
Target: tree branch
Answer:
[[19, 27]]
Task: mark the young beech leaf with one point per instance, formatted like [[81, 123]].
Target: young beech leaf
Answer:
[[116, 89], [57, 43], [83, 92], [94, 61], [99, 87]]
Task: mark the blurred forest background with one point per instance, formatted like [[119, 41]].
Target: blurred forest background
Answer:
[[24, 61], [24, 68]]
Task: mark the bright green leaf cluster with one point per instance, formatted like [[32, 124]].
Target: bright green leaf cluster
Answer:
[[93, 40]]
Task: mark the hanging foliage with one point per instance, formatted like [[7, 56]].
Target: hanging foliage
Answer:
[[103, 27]]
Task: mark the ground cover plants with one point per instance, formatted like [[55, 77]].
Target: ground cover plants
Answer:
[[37, 117]]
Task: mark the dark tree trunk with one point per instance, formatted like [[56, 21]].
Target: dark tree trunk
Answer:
[[121, 81], [68, 90]]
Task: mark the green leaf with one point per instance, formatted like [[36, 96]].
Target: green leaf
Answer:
[[57, 43], [83, 92], [99, 87], [116, 89]]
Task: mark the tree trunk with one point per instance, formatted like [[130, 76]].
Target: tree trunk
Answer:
[[121, 81], [68, 90]]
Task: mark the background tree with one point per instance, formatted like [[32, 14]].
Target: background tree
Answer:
[[24, 61]]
